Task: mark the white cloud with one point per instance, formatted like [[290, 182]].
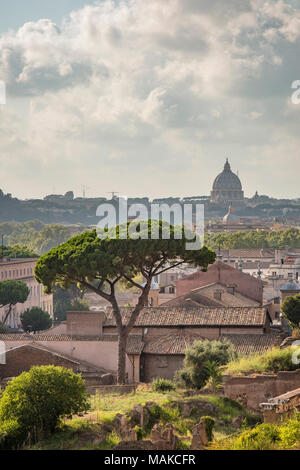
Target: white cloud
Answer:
[[140, 85]]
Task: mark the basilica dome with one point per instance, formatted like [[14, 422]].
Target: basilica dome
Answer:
[[227, 188], [227, 180]]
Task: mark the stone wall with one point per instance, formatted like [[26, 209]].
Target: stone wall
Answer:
[[255, 389]]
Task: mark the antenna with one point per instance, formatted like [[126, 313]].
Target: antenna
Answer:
[[113, 193], [84, 188]]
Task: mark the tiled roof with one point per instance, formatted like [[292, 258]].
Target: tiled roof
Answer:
[[248, 252], [204, 296], [193, 316], [170, 344], [285, 396], [253, 343], [134, 342]]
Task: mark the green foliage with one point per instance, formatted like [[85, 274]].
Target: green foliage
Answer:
[[209, 426], [28, 238], [35, 319], [272, 360], [86, 257], [162, 385], [291, 309], [18, 251], [67, 299], [255, 239], [215, 376], [282, 435], [198, 362], [37, 400], [11, 293]]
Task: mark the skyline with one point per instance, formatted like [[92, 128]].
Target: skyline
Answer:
[[102, 94]]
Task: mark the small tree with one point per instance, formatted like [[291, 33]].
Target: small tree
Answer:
[[11, 293], [291, 310], [98, 264], [36, 401], [198, 361], [35, 319]]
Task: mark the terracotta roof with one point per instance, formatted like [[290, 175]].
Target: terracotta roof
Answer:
[[134, 343], [245, 344], [170, 344], [52, 353], [248, 252], [204, 296], [192, 316]]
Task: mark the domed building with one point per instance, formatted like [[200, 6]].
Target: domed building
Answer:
[[227, 188], [230, 217]]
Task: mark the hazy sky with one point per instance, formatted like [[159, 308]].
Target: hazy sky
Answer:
[[148, 98]]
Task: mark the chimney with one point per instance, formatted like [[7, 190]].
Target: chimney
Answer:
[[218, 294], [231, 288]]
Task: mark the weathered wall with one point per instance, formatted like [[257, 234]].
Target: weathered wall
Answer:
[[22, 359], [155, 365], [255, 389], [83, 323], [103, 354]]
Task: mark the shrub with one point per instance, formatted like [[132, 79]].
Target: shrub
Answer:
[[162, 385], [283, 435], [198, 357], [36, 401], [273, 360], [35, 319]]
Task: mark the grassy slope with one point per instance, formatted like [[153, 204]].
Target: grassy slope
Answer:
[[87, 432], [284, 435], [270, 362]]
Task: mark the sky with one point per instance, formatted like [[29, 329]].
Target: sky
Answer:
[[148, 98]]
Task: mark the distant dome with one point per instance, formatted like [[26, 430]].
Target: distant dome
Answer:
[[290, 286], [230, 216], [227, 180], [227, 189]]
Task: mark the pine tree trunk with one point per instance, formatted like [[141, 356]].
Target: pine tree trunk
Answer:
[[122, 359]]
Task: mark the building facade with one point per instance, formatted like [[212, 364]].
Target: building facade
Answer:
[[22, 269]]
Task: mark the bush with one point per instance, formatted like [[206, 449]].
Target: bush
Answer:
[[36, 401], [35, 319], [162, 385], [283, 435], [273, 360], [199, 359]]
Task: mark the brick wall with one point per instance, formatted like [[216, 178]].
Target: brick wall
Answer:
[[22, 359], [256, 389]]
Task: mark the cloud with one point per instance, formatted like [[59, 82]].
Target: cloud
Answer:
[[161, 87]]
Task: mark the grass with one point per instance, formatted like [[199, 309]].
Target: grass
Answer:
[[87, 432], [284, 435], [270, 362]]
